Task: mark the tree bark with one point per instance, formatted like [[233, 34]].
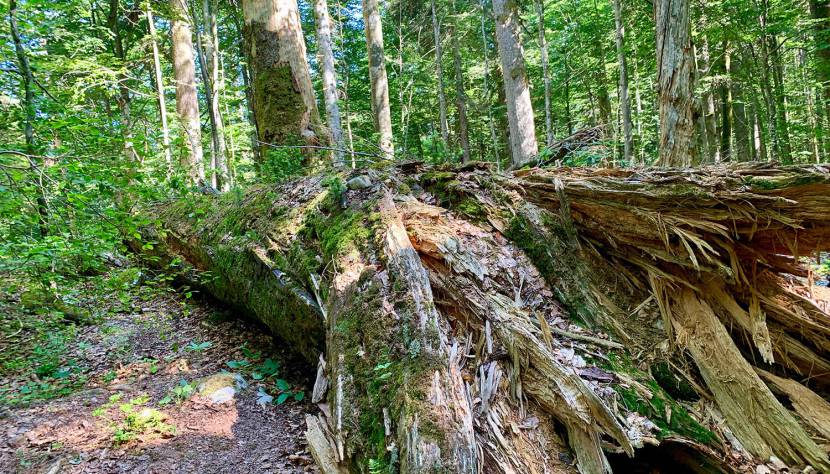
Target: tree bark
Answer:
[[439, 76], [543, 50], [377, 77], [741, 128], [460, 100], [449, 333], [487, 96], [675, 82], [625, 101], [187, 101], [724, 89], [284, 102], [220, 176], [165, 130], [323, 19], [523, 147]]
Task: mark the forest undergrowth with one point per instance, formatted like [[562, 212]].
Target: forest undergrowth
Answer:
[[123, 373]]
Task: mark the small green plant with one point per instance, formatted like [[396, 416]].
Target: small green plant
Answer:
[[179, 393], [198, 346], [139, 420]]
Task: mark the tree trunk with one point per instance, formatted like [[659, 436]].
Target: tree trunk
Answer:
[[820, 13], [284, 103], [187, 101], [523, 145], [625, 101], [27, 79], [439, 76], [220, 177], [123, 96], [487, 100], [457, 338], [675, 82], [710, 117], [377, 77], [780, 98], [725, 153], [460, 100], [740, 117], [165, 130], [543, 50], [321, 15]]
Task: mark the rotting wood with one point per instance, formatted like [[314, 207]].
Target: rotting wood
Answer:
[[454, 295]]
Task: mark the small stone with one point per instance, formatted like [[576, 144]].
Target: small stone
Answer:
[[762, 469], [224, 394], [359, 182]]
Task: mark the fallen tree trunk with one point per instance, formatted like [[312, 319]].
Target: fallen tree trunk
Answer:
[[541, 321]]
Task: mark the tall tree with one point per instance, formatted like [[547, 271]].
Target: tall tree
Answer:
[[543, 50], [377, 76], [675, 82], [213, 90], [439, 74], [187, 101], [283, 97], [159, 80], [27, 79], [523, 147], [323, 20], [625, 101], [123, 97], [491, 124], [460, 99]]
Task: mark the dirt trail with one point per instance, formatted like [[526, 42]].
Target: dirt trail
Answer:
[[130, 418]]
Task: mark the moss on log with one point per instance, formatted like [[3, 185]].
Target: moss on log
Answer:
[[479, 322]]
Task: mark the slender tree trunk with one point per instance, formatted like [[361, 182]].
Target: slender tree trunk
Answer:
[[741, 130], [780, 97], [709, 115], [204, 68], [123, 96], [321, 14], [568, 116], [377, 77], [284, 102], [460, 101], [726, 108], [220, 176], [543, 49], [27, 79], [187, 101], [165, 130], [638, 102], [675, 82], [625, 101], [523, 145], [439, 75], [488, 103], [820, 13]]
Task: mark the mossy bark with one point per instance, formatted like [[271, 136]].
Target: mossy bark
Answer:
[[473, 321]]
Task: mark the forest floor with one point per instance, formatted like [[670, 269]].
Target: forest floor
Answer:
[[151, 380]]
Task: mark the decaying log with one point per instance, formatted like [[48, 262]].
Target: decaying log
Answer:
[[536, 321]]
